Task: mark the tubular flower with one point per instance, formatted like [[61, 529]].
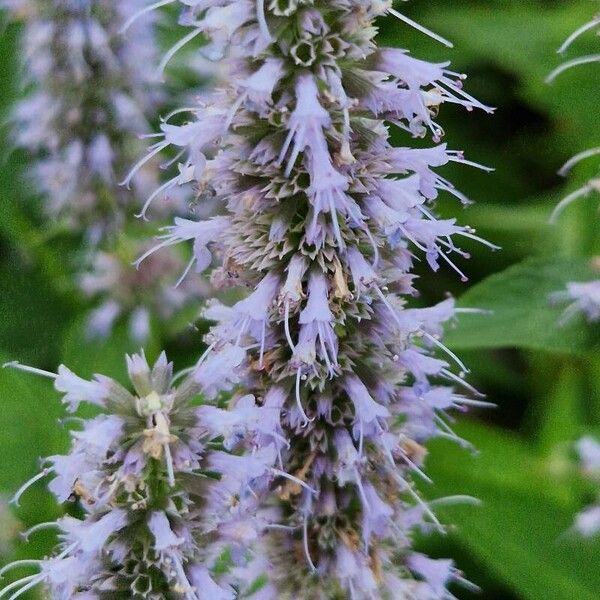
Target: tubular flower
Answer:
[[157, 499], [322, 219], [582, 298], [90, 88]]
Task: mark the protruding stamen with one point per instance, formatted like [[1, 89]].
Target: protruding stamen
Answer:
[[286, 325], [421, 28], [19, 563], [443, 347], [564, 170], [311, 564], [169, 465], [262, 20], [142, 12], [301, 483], [579, 32], [15, 364], [28, 484], [154, 150], [39, 527], [580, 193], [298, 400], [583, 60], [175, 49]]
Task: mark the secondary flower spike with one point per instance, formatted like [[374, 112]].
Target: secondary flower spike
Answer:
[[322, 220], [90, 88], [158, 500]]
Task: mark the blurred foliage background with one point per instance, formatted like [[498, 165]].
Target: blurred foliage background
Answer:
[[544, 379]]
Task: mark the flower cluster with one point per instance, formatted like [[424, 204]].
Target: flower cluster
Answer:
[[583, 297], [322, 221], [91, 86], [90, 91], [158, 497], [136, 295]]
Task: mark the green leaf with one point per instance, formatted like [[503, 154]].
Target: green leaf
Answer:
[[523, 316], [521, 530]]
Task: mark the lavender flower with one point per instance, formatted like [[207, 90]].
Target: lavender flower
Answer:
[[583, 298], [90, 90], [322, 221], [122, 292], [158, 499], [587, 522]]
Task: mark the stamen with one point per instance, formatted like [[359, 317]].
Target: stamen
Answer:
[[28, 484], [579, 32], [15, 364], [156, 149], [286, 325], [462, 382], [30, 579], [262, 21], [470, 163], [169, 465], [182, 577], [305, 485], [39, 527], [415, 467], [577, 159], [298, 401], [421, 28], [263, 333], [447, 350], [361, 491], [178, 111], [165, 244], [233, 111], [473, 311], [142, 12], [175, 49], [155, 194], [185, 272], [458, 499], [19, 563], [580, 193], [405, 486], [305, 545], [583, 60]]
